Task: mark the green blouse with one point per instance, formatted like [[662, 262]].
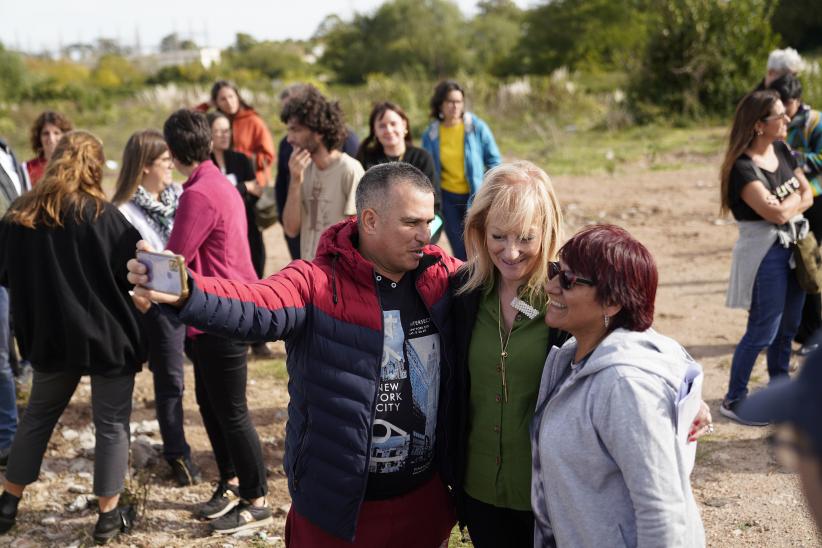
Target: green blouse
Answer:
[[498, 467]]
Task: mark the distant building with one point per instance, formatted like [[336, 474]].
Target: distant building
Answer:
[[155, 61]]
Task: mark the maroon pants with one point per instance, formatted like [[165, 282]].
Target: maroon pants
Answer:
[[422, 518]]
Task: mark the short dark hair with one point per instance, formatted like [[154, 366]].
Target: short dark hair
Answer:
[[312, 110], [440, 93], [372, 191], [788, 87], [623, 270], [188, 135]]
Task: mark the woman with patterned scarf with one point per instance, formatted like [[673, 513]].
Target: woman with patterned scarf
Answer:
[[148, 198]]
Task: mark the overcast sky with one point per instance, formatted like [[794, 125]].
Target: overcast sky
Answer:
[[35, 25]]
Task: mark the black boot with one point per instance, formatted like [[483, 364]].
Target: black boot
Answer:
[[8, 511], [185, 472], [112, 523]]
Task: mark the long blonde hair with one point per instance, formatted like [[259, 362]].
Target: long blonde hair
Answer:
[[72, 179], [753, 108], [517, 196]]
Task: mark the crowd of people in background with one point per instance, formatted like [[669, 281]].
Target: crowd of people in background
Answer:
[[426, 389]]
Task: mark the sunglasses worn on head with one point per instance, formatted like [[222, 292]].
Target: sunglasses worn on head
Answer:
[[567, 280]]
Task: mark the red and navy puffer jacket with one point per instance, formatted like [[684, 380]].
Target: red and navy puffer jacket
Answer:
[[328, 312]]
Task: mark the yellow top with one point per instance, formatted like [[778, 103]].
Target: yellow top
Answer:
[[452, 159]]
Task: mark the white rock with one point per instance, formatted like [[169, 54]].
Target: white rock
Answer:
[[80, 503], [84, 475], [87, 439], [145, 427], [78, 489], [49, 520], [69, 434], [81, 465]]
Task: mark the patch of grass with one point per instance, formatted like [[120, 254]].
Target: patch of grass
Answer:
[[457, 539], [269, 369], [569, 151]]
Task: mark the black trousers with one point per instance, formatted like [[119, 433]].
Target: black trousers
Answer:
[[812, 311], [256, 245], [165, 360], [110, 411], [495, 527], [220, 375]]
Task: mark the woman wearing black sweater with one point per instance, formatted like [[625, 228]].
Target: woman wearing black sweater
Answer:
[[389, 140], [63, 249]]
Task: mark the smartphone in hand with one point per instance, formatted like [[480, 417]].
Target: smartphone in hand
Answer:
[[166, 273]]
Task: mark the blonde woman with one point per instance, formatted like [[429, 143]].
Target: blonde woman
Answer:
[[512, 231]]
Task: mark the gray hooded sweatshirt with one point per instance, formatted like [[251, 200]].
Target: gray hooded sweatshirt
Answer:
[[607, 467]]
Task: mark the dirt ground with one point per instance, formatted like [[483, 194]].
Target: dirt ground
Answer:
[[744, 496]]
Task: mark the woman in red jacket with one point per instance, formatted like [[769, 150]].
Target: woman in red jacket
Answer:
[[45, 133]]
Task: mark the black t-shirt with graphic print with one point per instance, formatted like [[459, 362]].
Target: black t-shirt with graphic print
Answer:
[[403, 434], [781, 183]]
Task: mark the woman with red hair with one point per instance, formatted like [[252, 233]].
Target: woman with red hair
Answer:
[[608, 463]]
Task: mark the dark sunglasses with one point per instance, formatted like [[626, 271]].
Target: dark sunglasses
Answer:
[[567, 280]]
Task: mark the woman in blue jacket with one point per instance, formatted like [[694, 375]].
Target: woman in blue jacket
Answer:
[[463, 149]]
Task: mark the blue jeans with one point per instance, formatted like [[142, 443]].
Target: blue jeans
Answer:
[[454, 207], [8, 400], [776, 309]]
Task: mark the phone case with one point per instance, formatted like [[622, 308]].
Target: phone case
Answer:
[[166, 273]]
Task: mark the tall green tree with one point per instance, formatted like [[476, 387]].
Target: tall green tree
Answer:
[[493, 34], [12, 83], [799, 22], [702, 56], [423, 36], [266, 58], [580, 34]]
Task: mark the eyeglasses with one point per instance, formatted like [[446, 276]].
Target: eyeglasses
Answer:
[[783, 115], [567, 280]]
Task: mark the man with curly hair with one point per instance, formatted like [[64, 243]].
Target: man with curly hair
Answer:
[[323, 178]]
